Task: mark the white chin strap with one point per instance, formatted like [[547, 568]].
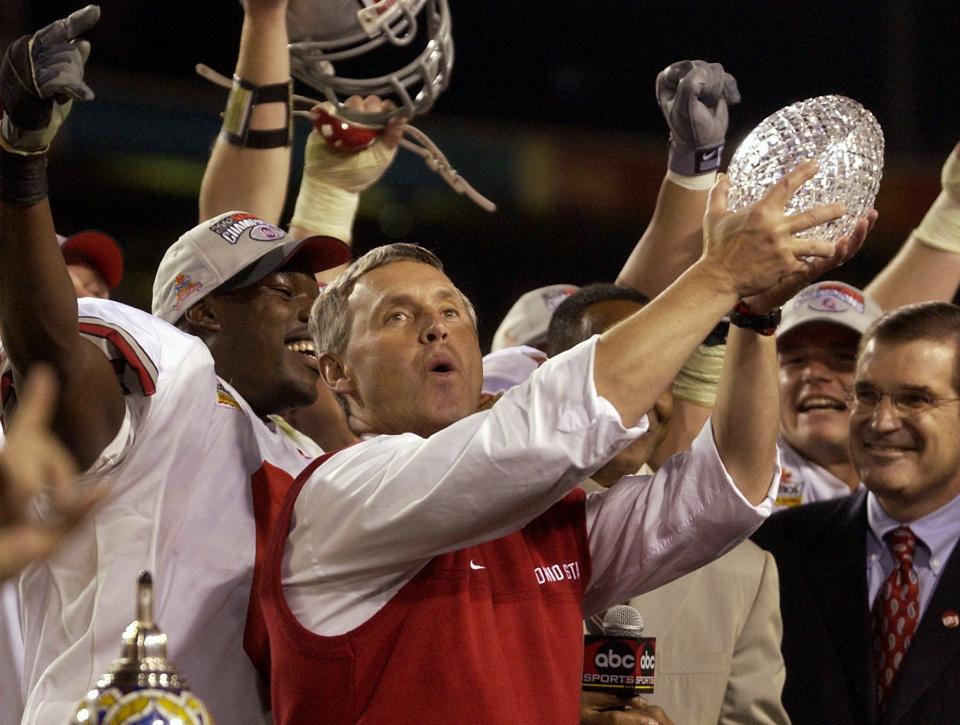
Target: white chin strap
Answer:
[[419, 143]]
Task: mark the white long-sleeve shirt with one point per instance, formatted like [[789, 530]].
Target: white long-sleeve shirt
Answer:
[[374, 514]]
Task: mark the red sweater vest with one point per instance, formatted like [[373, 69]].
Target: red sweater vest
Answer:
[[487, 634]]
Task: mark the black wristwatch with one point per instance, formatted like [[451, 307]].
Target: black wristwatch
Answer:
[[765, 324]]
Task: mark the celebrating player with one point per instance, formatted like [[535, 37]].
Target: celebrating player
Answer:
[[176, 420]]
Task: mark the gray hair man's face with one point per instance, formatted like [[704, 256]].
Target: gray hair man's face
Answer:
[[412, 363]]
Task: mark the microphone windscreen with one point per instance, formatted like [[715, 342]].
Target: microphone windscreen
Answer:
[[622, 621]]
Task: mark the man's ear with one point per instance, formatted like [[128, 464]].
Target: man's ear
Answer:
[[335, 376], [203, 317]]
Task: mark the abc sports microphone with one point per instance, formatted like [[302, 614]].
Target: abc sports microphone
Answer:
[[621, 661]]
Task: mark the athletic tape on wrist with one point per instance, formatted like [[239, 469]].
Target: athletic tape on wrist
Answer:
[[702, 182], [699, 378], [324, 209], [347, 170], [23, 176], [244, 97], [940, 227]]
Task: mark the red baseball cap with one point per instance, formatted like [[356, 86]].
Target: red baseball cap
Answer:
[[99, 250]]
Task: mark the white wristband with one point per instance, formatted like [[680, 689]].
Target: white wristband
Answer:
[[701, 182], [699, 378]]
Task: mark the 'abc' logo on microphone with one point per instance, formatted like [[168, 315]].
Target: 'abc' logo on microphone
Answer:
[[623, 665], [615, 657]]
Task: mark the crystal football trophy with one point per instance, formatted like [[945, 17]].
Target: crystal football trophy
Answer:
[[836, 132], [142, 686]]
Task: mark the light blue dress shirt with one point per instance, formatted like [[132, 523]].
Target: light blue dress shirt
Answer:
[[937, 534]]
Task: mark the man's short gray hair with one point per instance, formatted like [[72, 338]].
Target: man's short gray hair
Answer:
[[330, 318]]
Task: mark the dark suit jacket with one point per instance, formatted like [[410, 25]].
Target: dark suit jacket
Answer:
[[820, 550]]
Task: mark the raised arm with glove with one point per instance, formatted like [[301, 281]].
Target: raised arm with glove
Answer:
[[694, 96], [39, 77]]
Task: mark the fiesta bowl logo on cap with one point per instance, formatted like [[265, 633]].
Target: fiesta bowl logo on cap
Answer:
[[231, 227], [183, 287], [832, 298]]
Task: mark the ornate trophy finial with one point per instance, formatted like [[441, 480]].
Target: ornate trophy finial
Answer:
[[142, 686]]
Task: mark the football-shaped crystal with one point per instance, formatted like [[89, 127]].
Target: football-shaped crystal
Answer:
[[836, 132]]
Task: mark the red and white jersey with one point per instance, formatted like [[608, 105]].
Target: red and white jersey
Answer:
[[179, 506], [803, 481]]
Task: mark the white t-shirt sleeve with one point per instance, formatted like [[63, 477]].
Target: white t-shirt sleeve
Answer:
[[646, 531], [393, 502]]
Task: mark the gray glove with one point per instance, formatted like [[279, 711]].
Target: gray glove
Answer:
[[694, 96], [40, 77]]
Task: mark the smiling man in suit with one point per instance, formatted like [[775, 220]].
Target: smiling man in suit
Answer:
[[870, 583]]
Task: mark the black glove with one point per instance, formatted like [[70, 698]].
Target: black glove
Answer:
[[694, 96], [40, 77]]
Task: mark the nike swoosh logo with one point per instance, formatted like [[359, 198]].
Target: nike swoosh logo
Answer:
[[476, 566], [709, 156]]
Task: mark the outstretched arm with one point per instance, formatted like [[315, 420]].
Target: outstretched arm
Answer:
[[694, 97], [744, 253], [746, 417], [38, 307], [927, 267], [263, 63], [332, 178]]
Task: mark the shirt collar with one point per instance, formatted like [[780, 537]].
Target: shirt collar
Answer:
[[938, 530]]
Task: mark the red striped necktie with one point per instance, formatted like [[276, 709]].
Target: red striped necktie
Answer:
[[896, 611]]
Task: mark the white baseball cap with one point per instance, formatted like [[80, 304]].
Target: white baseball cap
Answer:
[[528, 320], [834, 302], [230, 251]]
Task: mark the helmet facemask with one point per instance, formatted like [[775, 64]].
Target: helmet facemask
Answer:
[[405, 47]]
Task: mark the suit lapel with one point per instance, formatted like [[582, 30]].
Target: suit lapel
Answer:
[[838, 572], [932, 648]]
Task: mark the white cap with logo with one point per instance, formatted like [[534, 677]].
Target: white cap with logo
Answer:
[[833, 302], [527, 321], [230, 251]]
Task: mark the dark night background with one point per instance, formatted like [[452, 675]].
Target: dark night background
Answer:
[[551, 113]]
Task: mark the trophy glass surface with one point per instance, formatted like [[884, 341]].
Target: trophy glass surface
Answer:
[[839, 134]]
